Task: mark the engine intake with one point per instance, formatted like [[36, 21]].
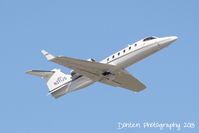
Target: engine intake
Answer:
[[91, 60], [73, 73]]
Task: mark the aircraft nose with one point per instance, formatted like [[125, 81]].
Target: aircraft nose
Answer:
[[172, 38], [167, 40]]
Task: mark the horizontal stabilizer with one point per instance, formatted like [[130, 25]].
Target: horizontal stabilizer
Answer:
[[41, 73]]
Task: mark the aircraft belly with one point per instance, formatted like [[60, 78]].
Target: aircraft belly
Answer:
[[60, 92], [80, 83]]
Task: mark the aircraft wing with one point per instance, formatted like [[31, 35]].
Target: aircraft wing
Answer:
[[125, 80], [92, 70]]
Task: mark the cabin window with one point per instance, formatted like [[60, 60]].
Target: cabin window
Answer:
[[113, 56], [118, 53], [135, 44], [124, 51], [129, 48], [107, 59]]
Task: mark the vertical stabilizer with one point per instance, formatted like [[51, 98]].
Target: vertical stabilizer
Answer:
[[57, 81]]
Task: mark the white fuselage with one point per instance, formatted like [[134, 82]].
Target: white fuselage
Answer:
[[127, 56]]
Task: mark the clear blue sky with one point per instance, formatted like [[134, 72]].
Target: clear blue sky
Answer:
[[85, 29]]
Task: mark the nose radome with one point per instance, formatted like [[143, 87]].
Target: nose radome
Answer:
[[165, 41], [173, 38]]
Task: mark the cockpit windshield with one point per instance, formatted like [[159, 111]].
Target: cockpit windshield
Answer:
[[149, 38]]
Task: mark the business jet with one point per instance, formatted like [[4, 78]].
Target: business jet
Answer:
[[109, 71]]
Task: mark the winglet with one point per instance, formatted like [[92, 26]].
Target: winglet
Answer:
[[47, 55]]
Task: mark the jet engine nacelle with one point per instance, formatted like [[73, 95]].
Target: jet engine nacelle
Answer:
[[74, 75], [91, 60]]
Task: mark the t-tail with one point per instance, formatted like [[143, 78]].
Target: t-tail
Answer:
[[57, 81]]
